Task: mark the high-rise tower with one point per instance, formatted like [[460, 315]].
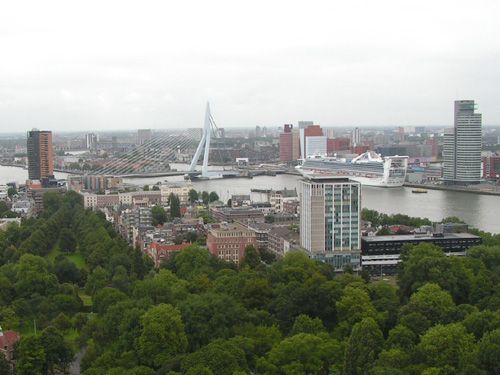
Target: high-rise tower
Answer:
[[40, 155], [330, 215], [462, 146]]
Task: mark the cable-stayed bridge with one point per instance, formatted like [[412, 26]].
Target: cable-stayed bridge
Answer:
[[154, 156]]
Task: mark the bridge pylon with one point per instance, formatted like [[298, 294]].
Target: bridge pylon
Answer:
[[204, 144]]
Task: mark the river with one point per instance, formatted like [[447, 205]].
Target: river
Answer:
[[480, 211]]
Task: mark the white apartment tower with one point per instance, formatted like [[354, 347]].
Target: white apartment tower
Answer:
[[330, 215], [356, 137], [462, 146]]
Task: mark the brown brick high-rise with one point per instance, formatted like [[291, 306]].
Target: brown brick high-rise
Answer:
[[40, 155]]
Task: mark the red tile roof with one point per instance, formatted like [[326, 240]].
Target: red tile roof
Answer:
[[8, 339]]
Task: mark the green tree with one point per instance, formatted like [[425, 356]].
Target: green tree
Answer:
[[306, 324], [33, 276], [252, 258], [58, 356], [210, 316], [229, 202], [146, 188], [159, 215], [218, 357], [162, 335], [489, 352], [426, 263], [401, 337], [302, 354], [175, 205], [30, 356], [156, 188], [67, 240], [193, 196], [481, 322], [269, 218], [363, 347], [205, 197], [51, 202], [371, 215], [448, 346], [435, 304], [98, 279], [11, 192], [354, 305], [384, 231], [213, 196]]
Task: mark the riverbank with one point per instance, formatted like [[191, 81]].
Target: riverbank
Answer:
[[461, 189]]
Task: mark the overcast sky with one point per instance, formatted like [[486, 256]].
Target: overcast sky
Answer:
[[106, 65]]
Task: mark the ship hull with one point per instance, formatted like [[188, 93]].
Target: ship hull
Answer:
[[379, 172], [375, 181]]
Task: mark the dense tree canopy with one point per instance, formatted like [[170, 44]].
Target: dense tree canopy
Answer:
[[69, 274]]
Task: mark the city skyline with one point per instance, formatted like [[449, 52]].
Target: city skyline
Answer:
[[351, 64]]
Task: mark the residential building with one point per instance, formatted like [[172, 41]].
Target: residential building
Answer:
[[281, 240], [381, 254], [286, 144], [160, 252], [491, 167], [94, 183], [140, 198], [330, 215], [338, 144], [40, 155], [238, 200], [462, 146], [90, 141], [278, 197], [35, 194], [240, 214], [228, 241], [302, 140], [181, 189], [143, 136], [6, 222], [8, 341], [261, 233], [4, 191], [356, 137], [316, 145]]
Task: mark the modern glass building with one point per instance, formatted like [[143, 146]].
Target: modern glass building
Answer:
[[330, 215], [462, 146]]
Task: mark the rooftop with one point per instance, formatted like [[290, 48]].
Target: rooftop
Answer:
[[409, 237], [324, 179]]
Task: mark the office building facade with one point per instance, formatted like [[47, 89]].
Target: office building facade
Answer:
[[330, 214], [381, 255], [462, 146], [90, 141], [40, 155]]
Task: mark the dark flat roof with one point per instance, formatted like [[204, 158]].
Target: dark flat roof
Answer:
[[410, 237]]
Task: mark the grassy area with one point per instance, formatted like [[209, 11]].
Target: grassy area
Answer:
[[71, 334], [392, 280], [78, 260], [87, 300], [54, 253]]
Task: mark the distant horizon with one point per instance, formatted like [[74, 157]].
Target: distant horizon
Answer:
[[234, 128]]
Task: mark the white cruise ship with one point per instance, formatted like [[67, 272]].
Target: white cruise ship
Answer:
[[369, 168]]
